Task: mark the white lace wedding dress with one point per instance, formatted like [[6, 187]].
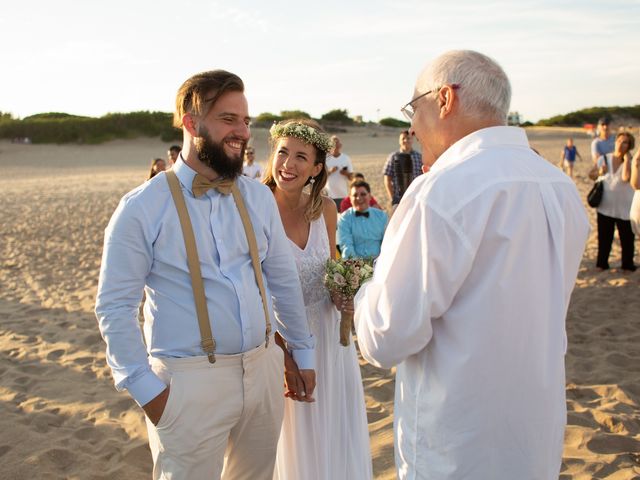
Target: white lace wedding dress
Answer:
[[328, 439]]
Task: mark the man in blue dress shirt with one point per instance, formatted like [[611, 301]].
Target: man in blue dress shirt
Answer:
[[205, 420], [360, 228]]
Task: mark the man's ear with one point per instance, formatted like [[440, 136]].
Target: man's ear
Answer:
[[190, 124], [446, 97]]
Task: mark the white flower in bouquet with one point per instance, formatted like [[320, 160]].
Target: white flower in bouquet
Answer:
[[345, 277]]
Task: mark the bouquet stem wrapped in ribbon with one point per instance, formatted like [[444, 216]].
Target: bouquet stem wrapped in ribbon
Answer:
[[344, 277]]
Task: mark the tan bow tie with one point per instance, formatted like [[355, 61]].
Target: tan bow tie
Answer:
[[201, 184]]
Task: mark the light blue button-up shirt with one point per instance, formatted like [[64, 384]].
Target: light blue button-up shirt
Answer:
[[144, 249], [361, 236]]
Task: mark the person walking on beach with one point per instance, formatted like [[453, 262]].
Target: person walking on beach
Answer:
[[207, 246], [471, 289], [340, 171], [568, 158], [401, 168], [604, 143]]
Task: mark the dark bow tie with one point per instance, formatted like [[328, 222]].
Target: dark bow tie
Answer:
[[201, 184], [362, 214]]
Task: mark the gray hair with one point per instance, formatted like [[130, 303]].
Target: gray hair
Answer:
[[485, 90]]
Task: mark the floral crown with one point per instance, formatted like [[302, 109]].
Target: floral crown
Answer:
[[305, 133]]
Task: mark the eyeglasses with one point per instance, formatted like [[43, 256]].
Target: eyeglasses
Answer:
[[409, 111]]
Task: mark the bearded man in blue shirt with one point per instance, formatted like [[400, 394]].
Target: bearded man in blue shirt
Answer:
[[208, 247]]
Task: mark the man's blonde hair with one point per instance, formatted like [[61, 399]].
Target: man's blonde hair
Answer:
[[200, 92]]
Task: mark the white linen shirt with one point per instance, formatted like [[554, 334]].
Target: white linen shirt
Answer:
[[469, 297], [252, 171], [337, 184], [144, 248]]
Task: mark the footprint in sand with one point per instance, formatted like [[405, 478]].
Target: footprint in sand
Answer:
[[21, 380], [122, 405], [4, 449], [44, 422], [55, 355], [375, 413], [93, 339], [83, 360], [60, 457], [582, 419], [612, 444], [88, 434]]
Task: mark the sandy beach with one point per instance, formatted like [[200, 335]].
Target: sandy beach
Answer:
[[60, 416]]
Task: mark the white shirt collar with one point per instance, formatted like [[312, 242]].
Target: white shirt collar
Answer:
[[481, 140], [184, 172]]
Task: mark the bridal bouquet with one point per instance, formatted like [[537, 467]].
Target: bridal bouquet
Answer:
[[344, 277]]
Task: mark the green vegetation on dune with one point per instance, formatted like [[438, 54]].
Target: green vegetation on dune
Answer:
[[591, 115], [57, 127], [394, 122]]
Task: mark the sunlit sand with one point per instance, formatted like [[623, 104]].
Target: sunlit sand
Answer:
[[60, 416]]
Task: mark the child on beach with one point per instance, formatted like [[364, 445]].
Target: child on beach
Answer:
[[568, 158]]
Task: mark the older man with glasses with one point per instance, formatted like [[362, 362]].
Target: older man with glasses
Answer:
[[472, 285]]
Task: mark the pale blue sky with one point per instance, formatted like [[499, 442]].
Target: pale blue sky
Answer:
[[91, 58]]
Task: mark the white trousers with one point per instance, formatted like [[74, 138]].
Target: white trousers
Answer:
[[221, 420]]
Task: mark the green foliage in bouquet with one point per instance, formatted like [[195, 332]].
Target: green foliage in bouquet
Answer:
[[345, 277]]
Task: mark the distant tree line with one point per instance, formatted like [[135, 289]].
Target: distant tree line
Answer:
[[56, 127], [334, 116]]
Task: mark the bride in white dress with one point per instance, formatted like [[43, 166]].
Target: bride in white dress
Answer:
[[325, 437]]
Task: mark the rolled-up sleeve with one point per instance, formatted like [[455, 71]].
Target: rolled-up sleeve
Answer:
[[281, 273], [126, 261]]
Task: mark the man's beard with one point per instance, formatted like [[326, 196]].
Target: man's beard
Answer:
[[212, 155]]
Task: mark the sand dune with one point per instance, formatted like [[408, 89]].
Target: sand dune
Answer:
[[60, 416]]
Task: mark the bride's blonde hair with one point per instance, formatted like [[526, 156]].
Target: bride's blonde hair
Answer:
[[315, 207]]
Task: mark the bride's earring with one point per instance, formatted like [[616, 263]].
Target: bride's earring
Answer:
[[312, 180]]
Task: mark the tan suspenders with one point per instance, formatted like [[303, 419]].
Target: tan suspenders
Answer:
[[208, 343]]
